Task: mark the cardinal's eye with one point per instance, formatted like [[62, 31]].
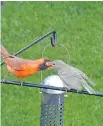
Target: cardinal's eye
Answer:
[[54, 64]]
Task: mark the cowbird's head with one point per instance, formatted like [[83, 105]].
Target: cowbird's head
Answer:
[[57, 64]]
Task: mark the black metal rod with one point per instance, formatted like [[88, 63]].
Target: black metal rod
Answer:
[[32, 43], [49, 87]]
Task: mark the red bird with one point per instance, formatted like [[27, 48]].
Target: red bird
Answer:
[[23, 67]]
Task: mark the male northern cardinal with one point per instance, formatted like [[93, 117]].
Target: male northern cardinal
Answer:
[[23, 67], [72, 77]]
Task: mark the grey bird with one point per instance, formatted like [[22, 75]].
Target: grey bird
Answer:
[[73, 77]]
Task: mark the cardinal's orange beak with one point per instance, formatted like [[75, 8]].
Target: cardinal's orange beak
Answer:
[[48, 64], [45, 65]]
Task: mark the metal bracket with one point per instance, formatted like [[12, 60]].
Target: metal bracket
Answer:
[[53, 32], [53, 39]]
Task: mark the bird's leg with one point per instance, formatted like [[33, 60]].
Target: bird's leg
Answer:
[[21, 82], [66, 95], [5, 76], [78, 90]]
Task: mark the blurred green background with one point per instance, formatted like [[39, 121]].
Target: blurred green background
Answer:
[[79, 26]]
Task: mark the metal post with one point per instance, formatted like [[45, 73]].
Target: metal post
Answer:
[[52, 104], [53, 43]]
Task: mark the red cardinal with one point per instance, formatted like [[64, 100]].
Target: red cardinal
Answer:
[[23, 67]]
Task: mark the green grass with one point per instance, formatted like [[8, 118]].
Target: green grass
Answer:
[[79, 27]]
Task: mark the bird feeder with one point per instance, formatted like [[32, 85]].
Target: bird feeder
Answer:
[[52, 103]]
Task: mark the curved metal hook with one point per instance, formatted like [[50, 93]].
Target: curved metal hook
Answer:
[[58, 45]]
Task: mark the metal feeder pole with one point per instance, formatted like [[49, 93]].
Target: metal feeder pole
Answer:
[[52, 108]]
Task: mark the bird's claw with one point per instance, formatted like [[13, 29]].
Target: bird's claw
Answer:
[[21, 83], [3, 81], [66, 95]]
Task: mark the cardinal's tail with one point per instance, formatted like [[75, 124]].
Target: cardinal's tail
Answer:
[[4, 52], [88, 88]]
